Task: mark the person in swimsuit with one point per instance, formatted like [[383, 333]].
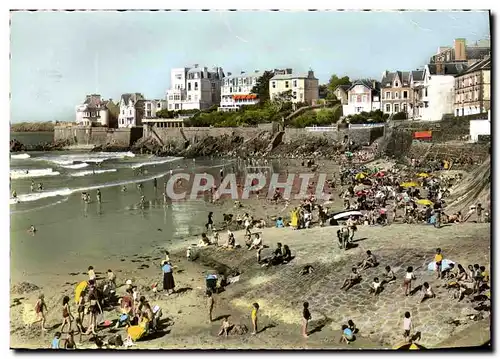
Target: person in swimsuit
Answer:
[[81, 308], [306, 317], [210, 304], [210, 221], [94, 309], [40, 308], [409, 276], [66, 314], [98, 195], [353, 279], [427, 292], [255, 311]]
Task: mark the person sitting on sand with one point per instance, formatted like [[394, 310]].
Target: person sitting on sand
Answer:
[[354, 277], [225, 327], [347, 335], [389, 275], [449, 272], [279, 223], [307, 269], [369, 262], [204, 241], [427, 292], [231, 242], [287, 254], [256, 243], [376, 286]]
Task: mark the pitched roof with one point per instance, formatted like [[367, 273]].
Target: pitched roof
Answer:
[[417, 75], [476, 53], [343, 87], [388, 79], [132, 96], [246, 74], [367, 83], [303, 75], [93, 100], [449, 69], [480, 65]]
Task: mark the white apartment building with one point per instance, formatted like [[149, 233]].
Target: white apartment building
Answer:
[[131, 110], [236, 90], [304, 87], [438, 95], [194, 88], [93, 111]]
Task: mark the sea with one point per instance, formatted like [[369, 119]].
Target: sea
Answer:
[[71, 233]]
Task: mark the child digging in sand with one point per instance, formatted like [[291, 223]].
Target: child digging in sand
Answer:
[[255, 311]]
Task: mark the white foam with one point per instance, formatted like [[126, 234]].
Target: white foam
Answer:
[[90, 172], [21, 156], [94, 157], [157, 161], [76, 166], [32, 173], [29, 197]]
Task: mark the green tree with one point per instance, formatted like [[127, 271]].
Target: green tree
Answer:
[[261, 88], [334, 82], [323, 91]]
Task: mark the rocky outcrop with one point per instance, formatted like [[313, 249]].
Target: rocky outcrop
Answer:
[[16, 146]]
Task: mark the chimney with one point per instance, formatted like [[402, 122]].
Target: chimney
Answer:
[[195, 66], [229, 74], [310, 74], [289, 71], [460, 54], [242, 72]]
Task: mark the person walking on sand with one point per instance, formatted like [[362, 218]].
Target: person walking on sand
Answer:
[[210, 222], [409, 276], [210, 304], [66, 314], [255, 311], [168, 277], [306, 317], [94, 309], [40, 308], [407, 326]]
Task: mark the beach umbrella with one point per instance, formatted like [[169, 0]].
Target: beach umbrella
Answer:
[[408, 346], [360, 175], [444, 265], [79, 289], [409, 184], [425, 202], [423, 174]]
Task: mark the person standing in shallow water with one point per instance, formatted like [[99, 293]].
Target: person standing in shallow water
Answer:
[[98, 195], [155, 184]]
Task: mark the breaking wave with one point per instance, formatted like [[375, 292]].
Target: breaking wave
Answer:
[[155, 162], [76, 166], [32, 173], [90, 172], [21, 156]]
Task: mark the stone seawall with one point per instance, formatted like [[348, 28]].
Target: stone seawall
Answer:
[[99, 136], [195, 134]]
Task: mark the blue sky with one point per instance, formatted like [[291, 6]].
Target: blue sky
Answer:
[[53, 54]]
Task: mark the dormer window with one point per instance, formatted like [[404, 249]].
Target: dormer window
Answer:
[[396, 84]]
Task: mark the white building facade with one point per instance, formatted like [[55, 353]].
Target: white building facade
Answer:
[[92, 112], [131, 110], [151, 107], [438, 93], [194, 88], [363, 96], [236, 90]]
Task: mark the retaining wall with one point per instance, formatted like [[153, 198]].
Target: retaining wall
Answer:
[[122, 137]]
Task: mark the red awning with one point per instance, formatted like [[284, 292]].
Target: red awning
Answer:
[[422, 134]]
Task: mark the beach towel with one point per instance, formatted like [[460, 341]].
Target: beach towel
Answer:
[[136, 332], [445, 265]]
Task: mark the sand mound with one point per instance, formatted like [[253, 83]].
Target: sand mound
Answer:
[[473, 189], [24, 287]]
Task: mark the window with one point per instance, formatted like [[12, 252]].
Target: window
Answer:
[[396, 84], [364, 98], [178, 77], [158, 105], [239, 89], [396, 107], [397, 94], [405, 108], [189, 86], [425, 92], [405, 94], [294, 94], [387, 95], [358, 99], [274, 84], [393, 95], [123, 111], [176, 106], [286, 84], [230, 89], [294, 83], [196, 97], [213, 85], [196, 86], [189, 97], [170, 97], [388, 107]]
